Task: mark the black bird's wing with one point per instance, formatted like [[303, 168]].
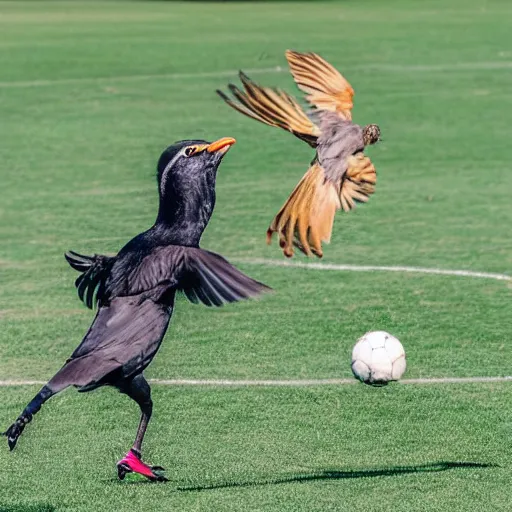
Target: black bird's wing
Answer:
[[203, 276], [127, 331], [94, 272]]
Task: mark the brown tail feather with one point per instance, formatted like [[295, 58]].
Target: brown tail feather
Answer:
[[306, 219], [358, 182]]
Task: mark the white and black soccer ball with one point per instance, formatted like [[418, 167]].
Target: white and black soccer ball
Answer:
[[378, 358]]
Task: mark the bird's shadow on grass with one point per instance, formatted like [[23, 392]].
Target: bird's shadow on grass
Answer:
[[433, 467]]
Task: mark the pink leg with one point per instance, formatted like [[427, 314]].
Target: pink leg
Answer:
[[138, 389], [132, 463]]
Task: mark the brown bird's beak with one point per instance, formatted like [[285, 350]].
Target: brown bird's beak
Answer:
[[221, 145]]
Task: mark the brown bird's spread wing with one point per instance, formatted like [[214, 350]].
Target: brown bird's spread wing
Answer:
[[325, 87], [272, 107], [203, 276], [307, 217]]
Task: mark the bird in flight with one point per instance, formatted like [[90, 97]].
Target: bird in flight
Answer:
[[135, 291], [340, 175]]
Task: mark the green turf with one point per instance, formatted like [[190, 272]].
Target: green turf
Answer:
[[90, 93], [352, 448]]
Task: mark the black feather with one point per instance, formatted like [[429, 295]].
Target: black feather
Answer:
[[95, 270]]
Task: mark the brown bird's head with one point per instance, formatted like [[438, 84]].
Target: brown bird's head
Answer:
[[371, 134]]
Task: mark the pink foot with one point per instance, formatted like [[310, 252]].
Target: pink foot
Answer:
[[132, 463]]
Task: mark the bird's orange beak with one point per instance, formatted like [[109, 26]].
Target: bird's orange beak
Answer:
[[221, 145]]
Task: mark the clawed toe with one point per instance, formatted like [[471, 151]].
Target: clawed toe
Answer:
[[122, 470], [157, 476], [12, 434]]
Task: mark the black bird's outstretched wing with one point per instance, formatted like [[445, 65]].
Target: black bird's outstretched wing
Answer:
[[129, 328], [203, 276], [94, 272], [212, 280]]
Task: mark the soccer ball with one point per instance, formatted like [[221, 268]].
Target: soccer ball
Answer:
[[378, 358]]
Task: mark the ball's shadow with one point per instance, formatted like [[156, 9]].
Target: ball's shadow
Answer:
[[433, 467]]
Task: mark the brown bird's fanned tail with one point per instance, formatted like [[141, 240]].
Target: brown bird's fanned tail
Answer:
[[358, 182], [325, 87], [272, 107], [306, 219]]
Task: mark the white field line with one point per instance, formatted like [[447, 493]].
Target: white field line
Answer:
[[316, 382], [391, 68], [290, 383], [374, 268], [459, 66], [131, 78], [321, 382]]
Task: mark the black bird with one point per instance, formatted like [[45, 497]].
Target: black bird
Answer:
[[135, 291]]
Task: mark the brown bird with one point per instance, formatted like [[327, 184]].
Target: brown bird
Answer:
[[340, 175]]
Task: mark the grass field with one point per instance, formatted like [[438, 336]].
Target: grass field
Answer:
[[90, 93]]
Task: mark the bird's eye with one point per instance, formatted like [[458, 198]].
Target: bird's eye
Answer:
[[190, 151]]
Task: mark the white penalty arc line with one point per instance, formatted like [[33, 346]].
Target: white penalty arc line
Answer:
[[374, 268], [391, 68], [322, 382], [288, 383]]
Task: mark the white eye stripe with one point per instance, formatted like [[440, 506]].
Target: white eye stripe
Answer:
[[168, 167]]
